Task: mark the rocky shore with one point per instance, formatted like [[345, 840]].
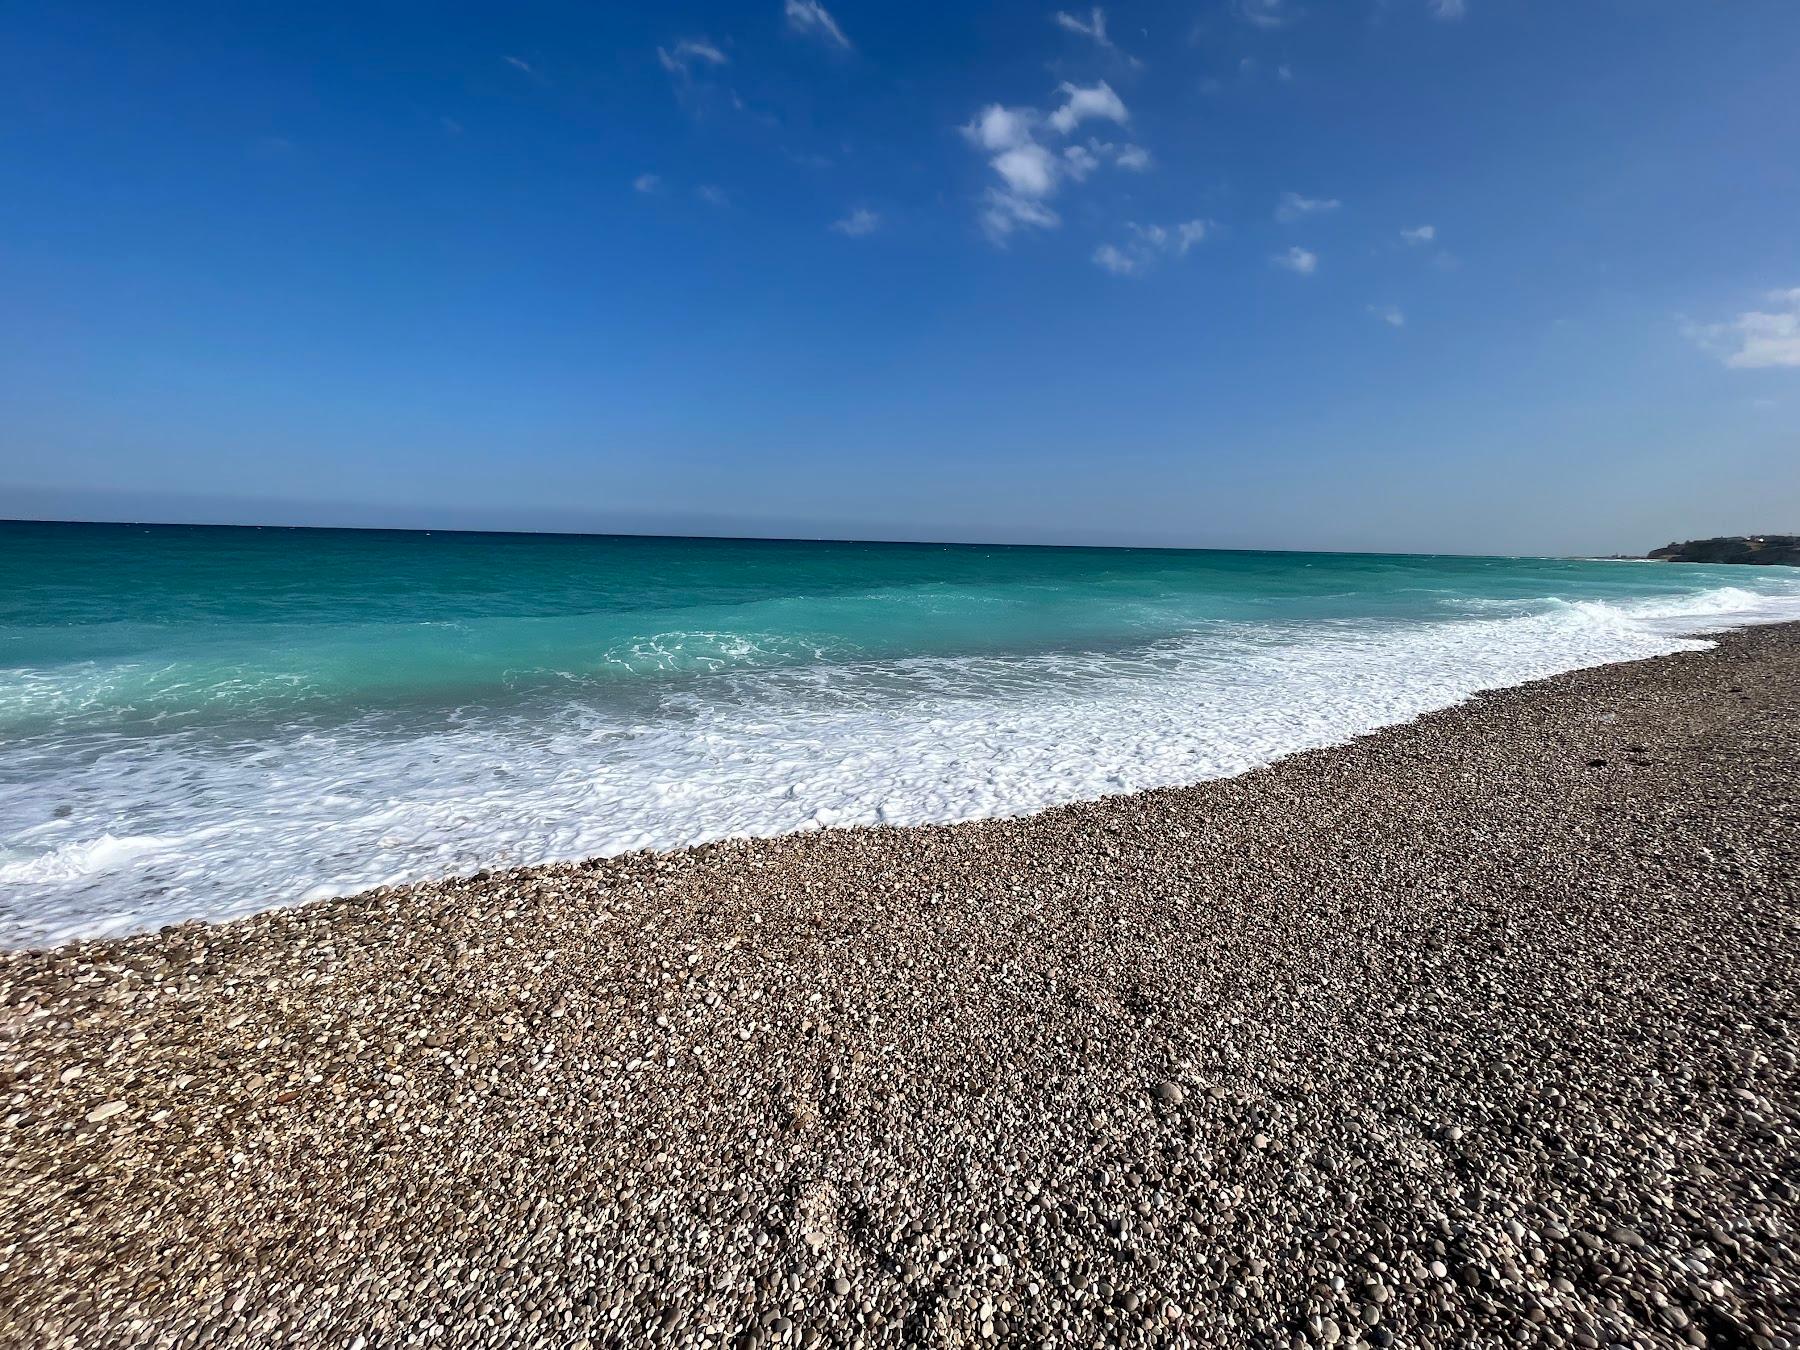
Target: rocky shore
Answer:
[[1478, 1031]]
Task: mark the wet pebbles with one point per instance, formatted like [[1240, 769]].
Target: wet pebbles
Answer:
[[1477, 1031]]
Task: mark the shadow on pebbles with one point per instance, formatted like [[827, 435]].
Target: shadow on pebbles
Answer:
[[1477, 1031]]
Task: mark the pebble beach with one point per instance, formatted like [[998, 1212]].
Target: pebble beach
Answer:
[[1479, 1030]]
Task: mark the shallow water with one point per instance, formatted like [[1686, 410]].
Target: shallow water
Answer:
[[204, 722]]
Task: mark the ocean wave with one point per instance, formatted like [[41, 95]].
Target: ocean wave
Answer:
[[78, 860], [683, 650], [187, 823]]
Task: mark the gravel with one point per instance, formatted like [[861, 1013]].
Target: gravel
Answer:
[[1479, 1030]]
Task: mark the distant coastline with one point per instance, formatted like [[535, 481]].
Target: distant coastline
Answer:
[[1760, 550]]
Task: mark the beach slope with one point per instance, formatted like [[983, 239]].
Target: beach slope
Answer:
[[1478, 1030]]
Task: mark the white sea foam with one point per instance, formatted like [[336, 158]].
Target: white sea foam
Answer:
[[173, 826], [77, 860]]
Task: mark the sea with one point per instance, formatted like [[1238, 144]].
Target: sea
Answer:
[[208, 721]]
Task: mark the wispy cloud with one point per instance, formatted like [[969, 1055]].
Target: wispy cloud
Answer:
[[1111, 258], [1756, 339], [1094, 29], [1302, 261], [520, 64], [1249, 71], [695, 65], [1147, 245], [1295, 207], [1081, 160], [859, 222], [1133, 157], [1419, 234], [647, 183], [712, 195], [1449, 9], [1032, 172], [1389, 314], [1265, 13], [1003, 212], [813, 19], [681, 59]]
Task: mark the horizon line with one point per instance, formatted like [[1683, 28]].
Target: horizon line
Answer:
[[798, 539]]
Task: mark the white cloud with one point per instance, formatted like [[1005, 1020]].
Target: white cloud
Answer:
[[711, 195], [1031, 171], [1085, 104], [1026, 166], [1297, 259], [1391, 315], [1265, 13], [647, 182], [1295, 207], [1449, 9], [998, 128], [859, 222], [809, 16], [680, 60], [1147, 244], [1422, 234], [1757, 339], [519, 63]]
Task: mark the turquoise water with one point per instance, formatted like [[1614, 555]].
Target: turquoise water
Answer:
[[202, 721]]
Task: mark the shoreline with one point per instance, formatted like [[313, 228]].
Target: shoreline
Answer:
[[1330, 1050], [33, 924]]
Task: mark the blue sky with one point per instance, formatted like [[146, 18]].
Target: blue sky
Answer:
[[1510, 275]]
